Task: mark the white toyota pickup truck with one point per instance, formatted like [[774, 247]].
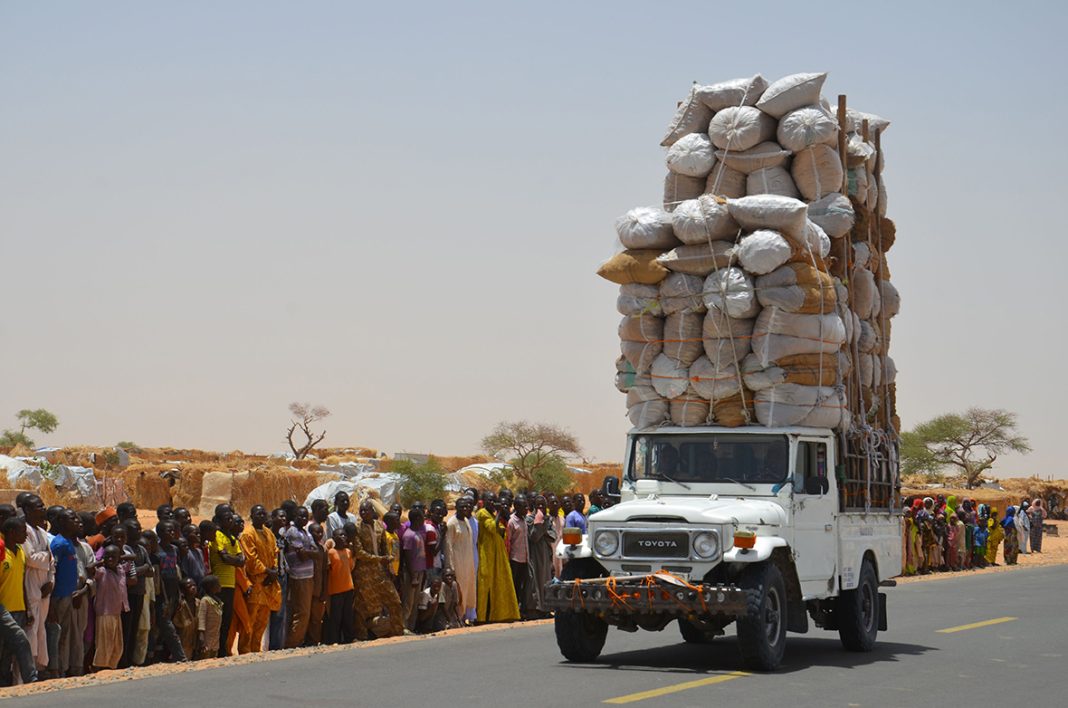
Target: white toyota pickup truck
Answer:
[[747, 525]]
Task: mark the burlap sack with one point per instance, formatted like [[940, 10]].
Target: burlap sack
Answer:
[[833, 213], [648, 414], [681, 292], [797, 287], [735, 411], [641, 394], [768, 211], [807, 126], [638, 299], [692, 116], [732, 291], [692, 155], [713, 381], [702, 220], [736, 92], [682, 337], [641, 340], [641, 355], [817, 171], [764, 155], [890, 299], [724, 181], [790, 93], [803, 369], [740, 128], [638, 266], [763, 251], [689, 409], [699, 259], [678, 188], [777, 334], [771, 180], [670, 377], [646, 228], [807, 406]]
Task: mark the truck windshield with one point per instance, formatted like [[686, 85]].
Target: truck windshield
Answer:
[[745, 459]]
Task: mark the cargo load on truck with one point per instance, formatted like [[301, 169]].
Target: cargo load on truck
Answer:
[[758, 292]]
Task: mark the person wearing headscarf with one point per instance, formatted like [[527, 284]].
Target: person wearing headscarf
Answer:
[[1038, 515], [954, 532], [1012, 543], [995, 535], [909, 541], [1023, 526], [979, 539]]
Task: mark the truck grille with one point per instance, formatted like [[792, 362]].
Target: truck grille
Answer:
[[656, 544]]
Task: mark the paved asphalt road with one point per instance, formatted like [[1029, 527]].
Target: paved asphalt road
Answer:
[[1023, 654]]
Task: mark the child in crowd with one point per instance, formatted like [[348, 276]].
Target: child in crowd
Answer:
[[185, 617], [320, 589], [209, 618], [111, 601], [454, 601], [340, 622], [392, 523]]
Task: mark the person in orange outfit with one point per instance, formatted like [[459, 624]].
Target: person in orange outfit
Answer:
[[261, 570]]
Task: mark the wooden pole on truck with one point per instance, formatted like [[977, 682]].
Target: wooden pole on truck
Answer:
[[842, 270]]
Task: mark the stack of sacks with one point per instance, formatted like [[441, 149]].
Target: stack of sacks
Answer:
[[734, 309]]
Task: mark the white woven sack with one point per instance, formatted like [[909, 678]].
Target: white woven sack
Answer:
[[769, 211], [767, 154], [763, 251], [678, 188], [817, 240], [714, 382], [868, 338], [692, 116], [670, 378], [796, 405], [736, 92], [646, 227], [780, 289], [648, 414], [641, 355], [699, 258], [791, 92], [640, 393], [682, 337], [691, 155], [875, 123], [833, 213], [638, 299], [642, 328], [777, 334], [740, 128], [681, 292], [865, 295], [771, 180], [890, 299], [725, 352], [858, 150], [805, 127], [731, 290], [858, 184], [817, 171], [719, 325], [702, 220], [725, 182], [889, 371], [689, 410]]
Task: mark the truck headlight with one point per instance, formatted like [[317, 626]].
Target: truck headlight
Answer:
[[706, 545], [606, 543]]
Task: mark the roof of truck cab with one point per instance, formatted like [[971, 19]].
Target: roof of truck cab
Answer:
[[746, 430]]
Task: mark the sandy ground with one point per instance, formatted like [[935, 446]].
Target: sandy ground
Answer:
[[1054, 552]]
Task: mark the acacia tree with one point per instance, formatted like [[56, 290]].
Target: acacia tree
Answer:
[[36, 419], [305, 416], [971, 442], [530, 447]]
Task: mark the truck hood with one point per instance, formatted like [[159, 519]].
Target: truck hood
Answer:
[[695, 510]]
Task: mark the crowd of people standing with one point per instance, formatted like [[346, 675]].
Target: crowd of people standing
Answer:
[[946, 534], [81, 592]]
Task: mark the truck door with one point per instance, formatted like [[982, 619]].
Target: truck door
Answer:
[[815, 508]]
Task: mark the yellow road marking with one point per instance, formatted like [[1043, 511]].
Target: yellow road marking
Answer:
[[976, 625], [666, 690]]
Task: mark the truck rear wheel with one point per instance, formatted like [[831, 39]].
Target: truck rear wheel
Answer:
[[580, 635], [762, 631], [858, 612]]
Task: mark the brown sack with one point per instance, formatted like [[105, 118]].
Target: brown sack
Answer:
[[636, 266]]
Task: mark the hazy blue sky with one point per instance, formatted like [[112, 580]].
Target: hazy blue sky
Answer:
[[209, 210]]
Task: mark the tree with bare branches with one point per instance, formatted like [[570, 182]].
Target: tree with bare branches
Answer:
[[529, 447], [971, 442], [305, 416]]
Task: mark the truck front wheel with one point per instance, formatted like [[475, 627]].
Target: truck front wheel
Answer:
[[580, 635], [858, 612], [762, 631]]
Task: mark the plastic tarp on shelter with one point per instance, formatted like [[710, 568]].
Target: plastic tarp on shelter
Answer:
[[19, 469], [384, 485], [349, 470], [80, 478]]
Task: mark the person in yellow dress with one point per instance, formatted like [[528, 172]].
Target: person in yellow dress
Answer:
[[994, 539], [496, 594]]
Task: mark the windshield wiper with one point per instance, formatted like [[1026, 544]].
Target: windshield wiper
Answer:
[[675, 481], [744, 484]]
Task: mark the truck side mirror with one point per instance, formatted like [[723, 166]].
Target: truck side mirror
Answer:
[[817, 485], [610, 488]]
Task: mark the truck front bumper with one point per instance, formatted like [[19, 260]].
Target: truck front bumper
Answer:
[[658, 593]]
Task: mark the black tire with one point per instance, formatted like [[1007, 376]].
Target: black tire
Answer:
[[762, 632], [693, 634], [580, 635], [858, 612]]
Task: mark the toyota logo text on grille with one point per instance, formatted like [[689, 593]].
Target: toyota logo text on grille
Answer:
[[658, 544]]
